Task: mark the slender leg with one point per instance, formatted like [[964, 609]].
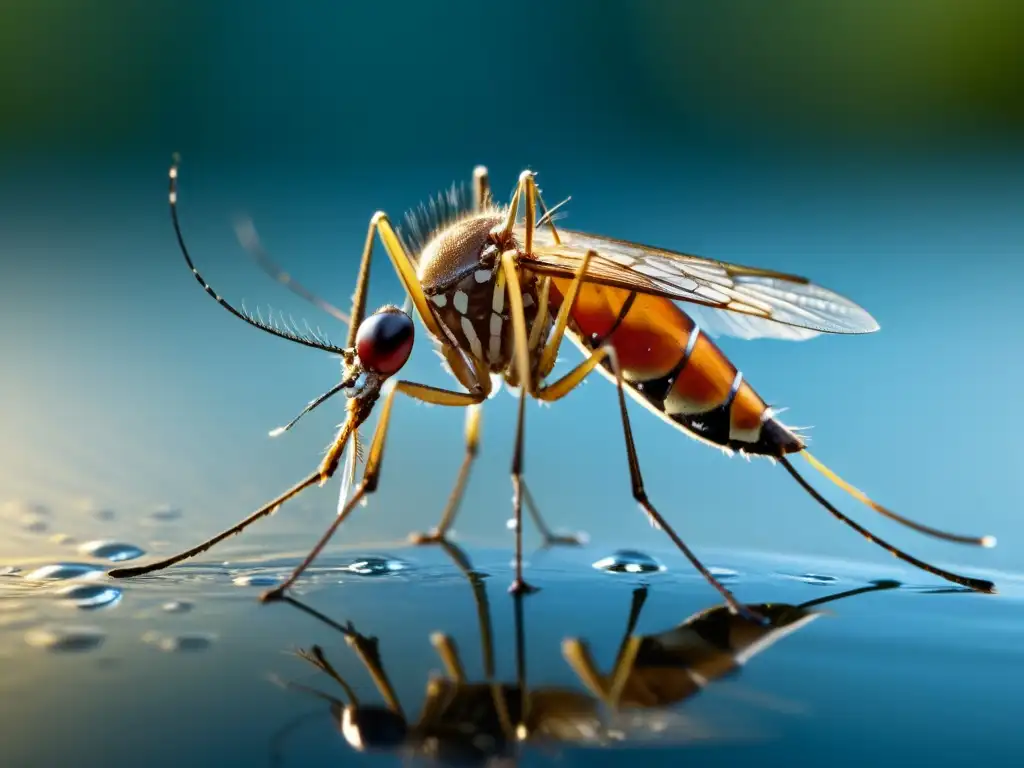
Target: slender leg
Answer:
[[448, 652], [608, 687], [452, 507], [878, 586], [519, 585], [371, 475], [369, 654], [366, 648], [316, 657], [483, 606], [121, 573], [524, 690], [380, 225], [522, 362], [481, 189], [570, 381], [551, 539], [323, 473], [547, 361], [636, 606], [504, 230]]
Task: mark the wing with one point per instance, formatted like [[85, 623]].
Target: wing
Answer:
[[756, 302], [723, 322]]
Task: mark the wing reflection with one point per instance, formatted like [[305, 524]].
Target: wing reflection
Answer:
[[463, 721]]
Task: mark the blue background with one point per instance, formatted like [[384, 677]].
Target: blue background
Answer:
[[873, 148]]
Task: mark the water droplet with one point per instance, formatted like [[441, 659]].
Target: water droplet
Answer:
[[59, 571], [511, 523], [723, 574], [55, 638], [375, 566], [629, 561], [114, 551], [165, 513], [193, 641], [89, 596], [176, 606], [256, 580]]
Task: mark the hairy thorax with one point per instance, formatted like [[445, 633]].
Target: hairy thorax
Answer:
[[460, 271]]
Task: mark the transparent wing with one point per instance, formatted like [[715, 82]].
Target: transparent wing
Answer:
[[765, 303], [722, 322]]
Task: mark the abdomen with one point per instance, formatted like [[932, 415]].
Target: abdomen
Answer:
[[673, 369]]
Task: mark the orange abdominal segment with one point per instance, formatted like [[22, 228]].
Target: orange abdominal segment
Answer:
[[649, 339], [705, 382], [745, 414], [673, 368]]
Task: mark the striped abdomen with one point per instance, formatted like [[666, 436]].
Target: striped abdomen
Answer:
[[672, 368]]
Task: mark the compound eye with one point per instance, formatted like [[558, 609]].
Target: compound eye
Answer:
[[384, 341]]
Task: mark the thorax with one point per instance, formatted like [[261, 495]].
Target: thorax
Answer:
[[461, 275]]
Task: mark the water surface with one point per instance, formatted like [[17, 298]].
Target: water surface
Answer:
[[188, 667]]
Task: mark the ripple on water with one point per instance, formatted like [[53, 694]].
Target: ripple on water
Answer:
[[30, 516], [176, 606], [114, 551], [62, 571], [375, 565], [188, 642], [723, 574], [9, 570], [256, 580], [818, 579], [165, 513], [629, 561], [65, 638], [90, 596]]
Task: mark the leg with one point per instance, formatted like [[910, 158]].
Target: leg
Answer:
[[522, 363], [323, 473], [403, 264], [608, 687], [448, 652], [978, 585], [316, 657], [547, 361], [563, 387], [371, 475], [452, 507], [483, 607], [481, 189], [550, 537], [366, 648]]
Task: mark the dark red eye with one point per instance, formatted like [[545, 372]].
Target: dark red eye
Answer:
[[384, 341]]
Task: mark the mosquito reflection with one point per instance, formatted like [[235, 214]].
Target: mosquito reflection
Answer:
[[486, 721]]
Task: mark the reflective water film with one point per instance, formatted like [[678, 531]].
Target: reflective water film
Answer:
[[421, 653]]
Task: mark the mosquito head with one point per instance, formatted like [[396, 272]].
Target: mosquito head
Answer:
[[382, 346]]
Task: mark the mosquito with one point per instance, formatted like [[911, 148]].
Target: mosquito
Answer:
[[498, 293]]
